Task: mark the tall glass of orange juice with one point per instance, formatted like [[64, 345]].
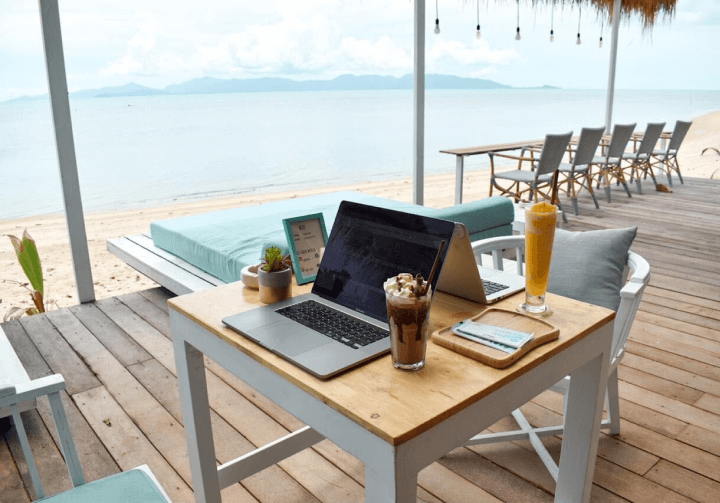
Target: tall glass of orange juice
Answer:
[[540, 220]]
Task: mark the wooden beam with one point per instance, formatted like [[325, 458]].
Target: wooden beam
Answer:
[[60, 104], [419, 105]]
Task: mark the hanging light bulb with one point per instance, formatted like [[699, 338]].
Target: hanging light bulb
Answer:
[[517, 32], [477, 33], [552, 21], [579, 18], [601, 41], [437, 19], [602, 25], [552, 36]]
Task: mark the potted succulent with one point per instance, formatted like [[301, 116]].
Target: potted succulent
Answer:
[[275, 276]]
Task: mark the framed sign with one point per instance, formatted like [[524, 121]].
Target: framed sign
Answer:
[[307, 239]]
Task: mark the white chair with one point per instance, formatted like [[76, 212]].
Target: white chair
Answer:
[[138, 484], [637, 272]]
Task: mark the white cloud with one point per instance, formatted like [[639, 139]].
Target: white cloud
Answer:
[[479, 52]]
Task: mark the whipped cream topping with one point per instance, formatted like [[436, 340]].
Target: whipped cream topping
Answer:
[[405, 285]]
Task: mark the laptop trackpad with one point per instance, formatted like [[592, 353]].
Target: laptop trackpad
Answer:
[[289, 338]]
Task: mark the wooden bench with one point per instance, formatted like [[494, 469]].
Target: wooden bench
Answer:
[[13, 372], [166, 269]]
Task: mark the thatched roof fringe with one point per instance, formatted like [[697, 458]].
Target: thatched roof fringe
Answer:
[[649, 11]]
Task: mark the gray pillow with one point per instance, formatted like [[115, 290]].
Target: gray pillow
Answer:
[[588, 266]]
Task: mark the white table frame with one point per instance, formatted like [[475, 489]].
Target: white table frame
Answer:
[[391, 472]]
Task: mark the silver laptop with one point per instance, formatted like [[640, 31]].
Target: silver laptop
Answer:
[[343, 321]]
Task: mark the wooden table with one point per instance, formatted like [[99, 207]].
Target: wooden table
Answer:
[[461, 153], [397, 423]]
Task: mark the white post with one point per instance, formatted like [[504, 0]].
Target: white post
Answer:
[[60, 104], [613, 64], [419, 104]]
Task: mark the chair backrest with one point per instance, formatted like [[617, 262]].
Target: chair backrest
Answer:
[[678, 135], [650, 138], [637, 277], [619, 140], [552, 153], [587, 145]]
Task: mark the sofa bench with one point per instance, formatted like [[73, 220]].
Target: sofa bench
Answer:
[[201, 251]]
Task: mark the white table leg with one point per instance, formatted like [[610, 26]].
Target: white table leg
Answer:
[[196, 414], [388, 480], [459, 168], [582, 427]]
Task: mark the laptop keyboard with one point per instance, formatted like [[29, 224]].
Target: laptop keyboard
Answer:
[[491, 287], [335, 324]]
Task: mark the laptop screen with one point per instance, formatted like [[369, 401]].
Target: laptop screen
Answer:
[[367, 245]]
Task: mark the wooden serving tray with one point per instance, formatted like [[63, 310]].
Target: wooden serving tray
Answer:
[[544, 332]]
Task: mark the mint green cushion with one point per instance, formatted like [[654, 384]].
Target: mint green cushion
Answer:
[[484, 218], [221, 243], [133, 485]]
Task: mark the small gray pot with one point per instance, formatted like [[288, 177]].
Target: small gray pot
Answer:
[[274, 286]]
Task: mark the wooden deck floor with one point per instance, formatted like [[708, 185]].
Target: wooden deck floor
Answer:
[[116, 356]]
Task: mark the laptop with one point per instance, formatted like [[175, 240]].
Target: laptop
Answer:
[[366, 246]]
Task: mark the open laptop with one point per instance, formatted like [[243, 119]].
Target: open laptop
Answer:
[[366, 246]]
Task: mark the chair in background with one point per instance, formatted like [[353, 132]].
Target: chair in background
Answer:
[[138, 484], [667, 159], [609, 161], [637, 272], [576, 173], [539, 179], [638, 162]]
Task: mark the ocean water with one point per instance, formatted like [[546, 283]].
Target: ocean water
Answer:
[[145, 151]]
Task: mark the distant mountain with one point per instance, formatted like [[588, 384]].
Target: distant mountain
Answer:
[[211, 85]]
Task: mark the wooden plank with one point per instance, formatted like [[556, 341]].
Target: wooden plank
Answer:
[[120, 344], [702, 439], [633, 487], [676, 342], [685, 482], [712, 337], [709, 403], [148, 311], [127, 443], [271, 484], [658, 385], [11, 484], [158, 296], [58, 354], [694, 367], [50, 464], [685, 307], [673, 313], [683, 299], [156, 268], [672, 408], [674, 374]]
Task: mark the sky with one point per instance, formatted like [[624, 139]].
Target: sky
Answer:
[[161, 42]]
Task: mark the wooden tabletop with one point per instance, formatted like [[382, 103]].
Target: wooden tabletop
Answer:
[[393, 404], [500, 147]]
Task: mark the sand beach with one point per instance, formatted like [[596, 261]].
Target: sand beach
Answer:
[[112, 277]]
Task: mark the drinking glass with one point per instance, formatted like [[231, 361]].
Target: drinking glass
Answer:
[[540, 220], [409, 329]]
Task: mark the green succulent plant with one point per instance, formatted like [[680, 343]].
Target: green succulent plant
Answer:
[[274, 261]]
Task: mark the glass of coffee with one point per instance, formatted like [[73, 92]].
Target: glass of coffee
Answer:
[[408, 300]]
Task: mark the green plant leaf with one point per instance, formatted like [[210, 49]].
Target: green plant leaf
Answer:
[[29, 260]]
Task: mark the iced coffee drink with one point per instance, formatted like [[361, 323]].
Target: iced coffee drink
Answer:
[[408, 307]]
